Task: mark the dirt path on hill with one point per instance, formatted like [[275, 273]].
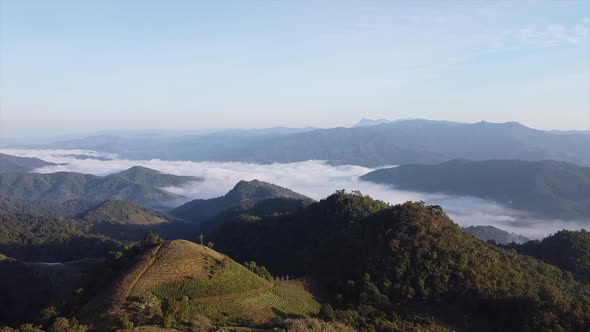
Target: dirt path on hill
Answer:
[[143, 270]]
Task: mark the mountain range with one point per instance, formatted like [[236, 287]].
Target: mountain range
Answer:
[[547, 189], [389, 143]]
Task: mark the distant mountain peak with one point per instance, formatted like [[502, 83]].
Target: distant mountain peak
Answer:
[[140, 169], [371, 122]]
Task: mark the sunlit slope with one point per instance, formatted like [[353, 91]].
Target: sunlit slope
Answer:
[[203, 282]]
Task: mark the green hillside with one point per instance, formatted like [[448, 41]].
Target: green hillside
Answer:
[[548, 189], [409, 264]]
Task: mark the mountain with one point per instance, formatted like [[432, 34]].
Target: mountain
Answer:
[[64, 186], [395, 143], [244, 193], [547, 189], [370, 259], [10, 163], [183, 280], [491, 233], [150, 177]]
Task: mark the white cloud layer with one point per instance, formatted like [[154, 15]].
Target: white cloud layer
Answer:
[[315, 179]]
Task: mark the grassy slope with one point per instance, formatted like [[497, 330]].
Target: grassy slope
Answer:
[[218, 287]]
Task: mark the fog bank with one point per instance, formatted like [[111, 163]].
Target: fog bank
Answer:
[[315, 179]]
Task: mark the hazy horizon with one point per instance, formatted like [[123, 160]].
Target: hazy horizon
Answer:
[[65, 135]]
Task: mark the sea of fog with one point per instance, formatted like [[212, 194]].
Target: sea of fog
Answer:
[[315, 179]]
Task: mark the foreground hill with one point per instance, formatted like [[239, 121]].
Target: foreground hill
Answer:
[[244, 193], [394, 143], [64, 186], [10, 163], [182, 280], [548, 189], [491, 233]]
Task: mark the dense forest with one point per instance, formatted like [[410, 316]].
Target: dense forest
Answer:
[[381, 265], [569, 250]]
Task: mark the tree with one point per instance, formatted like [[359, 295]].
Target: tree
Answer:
[[152, 239], [202, 239], [125, 322], [61, 324], [29, 328]]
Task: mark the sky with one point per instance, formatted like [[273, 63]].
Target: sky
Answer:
[[82, 66]]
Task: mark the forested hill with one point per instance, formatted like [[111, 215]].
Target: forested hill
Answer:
[[375, 267], [569, 250], [244, 193], [548, 189], [10, 163], [66, 186], [382, 265]]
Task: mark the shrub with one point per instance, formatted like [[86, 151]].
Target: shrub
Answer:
[[326, 312], [125, 322]]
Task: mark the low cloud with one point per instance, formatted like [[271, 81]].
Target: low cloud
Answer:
[[315, 179]]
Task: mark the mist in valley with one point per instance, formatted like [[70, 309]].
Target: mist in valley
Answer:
[[315, 179]]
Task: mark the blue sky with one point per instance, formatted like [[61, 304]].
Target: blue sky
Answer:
[[71, 66]]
